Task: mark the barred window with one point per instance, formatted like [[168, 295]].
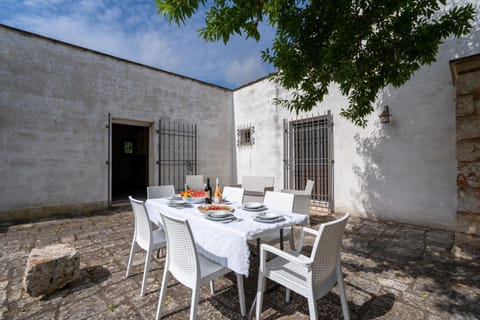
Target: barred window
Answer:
[[245, 136]]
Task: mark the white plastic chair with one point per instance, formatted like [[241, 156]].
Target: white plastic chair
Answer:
[[165, 191], [309, 187], [195, 182], [278, 202], [311, 277], [144, 237], [233, 194], [301, 202], [189, 267]]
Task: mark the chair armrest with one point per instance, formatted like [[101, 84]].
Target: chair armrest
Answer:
[[302, 236], [304, 262], [310, 231]]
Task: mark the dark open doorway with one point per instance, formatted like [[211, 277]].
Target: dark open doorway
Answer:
[[129, 162]]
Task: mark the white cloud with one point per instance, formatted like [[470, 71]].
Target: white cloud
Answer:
[[42, 3], [241, 72], [155, 51]]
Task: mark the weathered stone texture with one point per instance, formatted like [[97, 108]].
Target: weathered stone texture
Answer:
[[51, 268], [468, 175], [467, 75], [468, 127], [470, 241], [468, 150], [468, 222], [465, 105], [467, 83], [377, 286], [468, 198]]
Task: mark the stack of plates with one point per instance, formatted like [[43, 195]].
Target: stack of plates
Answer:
[[178, 204], [268, 218], [254, 206], [194, 199], [226, 201], [219, 215]]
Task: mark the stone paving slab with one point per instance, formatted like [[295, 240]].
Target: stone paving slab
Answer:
[[392, 271]]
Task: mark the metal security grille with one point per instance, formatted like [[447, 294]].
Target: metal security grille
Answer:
[[308, 152], [177, 147]]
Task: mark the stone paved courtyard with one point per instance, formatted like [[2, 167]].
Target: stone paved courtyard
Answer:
[[392, 271]]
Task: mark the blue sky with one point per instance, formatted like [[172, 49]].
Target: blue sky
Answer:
[[133, 30]]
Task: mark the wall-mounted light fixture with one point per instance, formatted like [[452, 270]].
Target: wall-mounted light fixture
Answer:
[[385, 115]]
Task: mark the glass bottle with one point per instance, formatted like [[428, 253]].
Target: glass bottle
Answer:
[[217, 195], [208, 192]]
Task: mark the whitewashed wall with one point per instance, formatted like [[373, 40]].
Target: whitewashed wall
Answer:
[[403, 171], [54, 103]]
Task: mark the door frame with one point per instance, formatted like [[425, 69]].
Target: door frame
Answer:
[[151, 145]]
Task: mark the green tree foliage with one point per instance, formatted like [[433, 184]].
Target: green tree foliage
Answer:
[[362, 45]]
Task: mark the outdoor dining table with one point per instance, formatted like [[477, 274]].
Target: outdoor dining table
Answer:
[[224, 243]]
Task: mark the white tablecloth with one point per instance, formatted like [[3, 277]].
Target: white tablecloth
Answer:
[[225, 243]]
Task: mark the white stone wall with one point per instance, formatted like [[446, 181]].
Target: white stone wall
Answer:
[[403, 171], [55, 98], [54, 102]]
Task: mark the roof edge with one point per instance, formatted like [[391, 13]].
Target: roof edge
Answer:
[[464, 65], [59, 42], [254, 81]]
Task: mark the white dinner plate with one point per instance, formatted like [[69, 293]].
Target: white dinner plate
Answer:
[[210, 217], [253, 205], [177, 202], [278, 219], [219, 213], [256, 210], [180, 206], [226, 201], [267, 216]]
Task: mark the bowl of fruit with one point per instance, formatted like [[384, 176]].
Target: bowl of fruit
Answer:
[[192, 196]]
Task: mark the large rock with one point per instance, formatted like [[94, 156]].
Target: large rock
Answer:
[[51, 268]]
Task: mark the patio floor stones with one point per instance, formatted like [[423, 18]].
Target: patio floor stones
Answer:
[[391, 270]]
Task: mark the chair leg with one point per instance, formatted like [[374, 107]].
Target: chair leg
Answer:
[[343, 297], [162, 252], [312, 308], [212, 288], [241, 294], [292, 241], [145, 272], [130, 258], [288, 295], [260, 290], [194, 304], [163, 291]]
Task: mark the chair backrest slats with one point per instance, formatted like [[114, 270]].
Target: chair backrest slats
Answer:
[[143, 230], [309, 187], [181, 251], [279, 201], [233, 194], [327, 247], [155, 192]]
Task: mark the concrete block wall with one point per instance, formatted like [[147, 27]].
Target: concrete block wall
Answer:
[[55, 100], [466, 73]]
